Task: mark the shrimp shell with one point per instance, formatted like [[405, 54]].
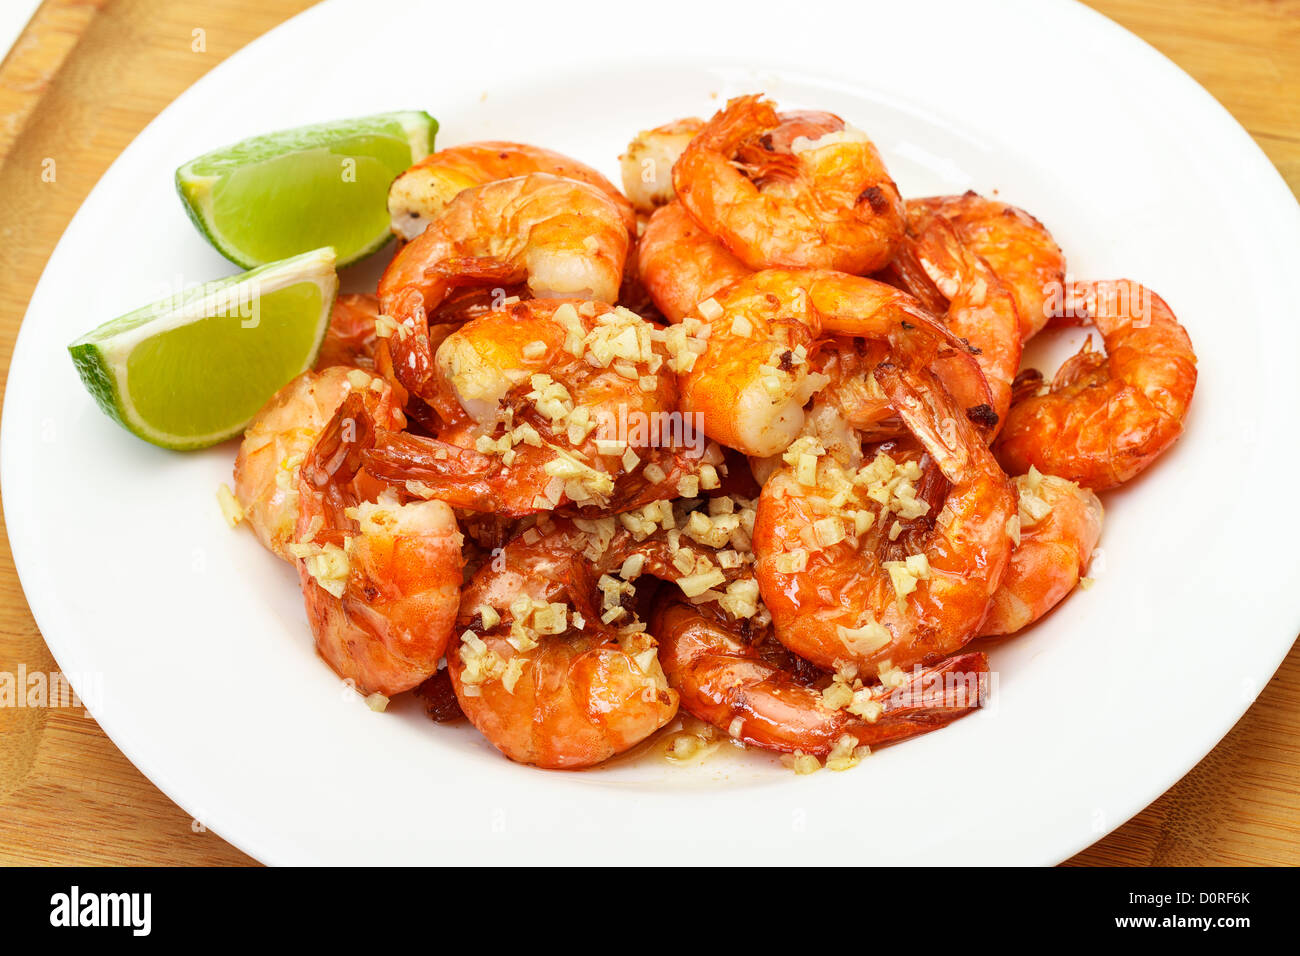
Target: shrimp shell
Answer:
[[761, 695], [1107, 417], [824, 203]]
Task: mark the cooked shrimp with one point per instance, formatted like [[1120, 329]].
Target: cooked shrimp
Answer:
[[278, 439], [566, 405], [1016, 246], [846, 582], [759, 693], [850, 412], [421, 193], [350, 338], [648, 163], [751, 376], [536, 670], [1107, 417], [852, 398], [647, 166], [680, 264], [565, 237], [380, 578], [1059, 524], [981, 308], [824, 203]]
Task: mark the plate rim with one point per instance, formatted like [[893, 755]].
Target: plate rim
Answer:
[[1225, 123]]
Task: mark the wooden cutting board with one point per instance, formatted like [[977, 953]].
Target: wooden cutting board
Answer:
[[85, 78]]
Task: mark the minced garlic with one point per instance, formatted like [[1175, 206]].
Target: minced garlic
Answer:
[[891, 676], [865, 639], [741, 599], [328, 565], [694, 585], [231, 509], [481, 664], [846, 753], [904, 575], [800, 762], [710, 309]]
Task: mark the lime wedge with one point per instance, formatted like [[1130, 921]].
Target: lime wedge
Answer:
[[192, 370], [284, 193]]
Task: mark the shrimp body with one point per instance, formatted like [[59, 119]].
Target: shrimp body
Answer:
[[1107, 417], [565, 238], [823, 203], [648, 163], [560, 402], [537, 672], [764, 696], [421, 193], [859, 568], [277, 441], [647, 166], [350, 338], [1016, 246], [1059, 524], [853, 398], [380, 578], [981, 308], [681, 265], [752, 379]]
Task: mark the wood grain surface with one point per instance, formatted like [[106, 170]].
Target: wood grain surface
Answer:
[[85, 78]]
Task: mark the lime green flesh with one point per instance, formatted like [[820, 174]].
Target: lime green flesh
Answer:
[[282, 194], [311, 201], [213, 375], [190, 371]]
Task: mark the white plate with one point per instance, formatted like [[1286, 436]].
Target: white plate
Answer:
[[193, 637]]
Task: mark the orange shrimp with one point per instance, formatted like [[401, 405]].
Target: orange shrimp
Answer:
[[536, 670], [566, 405], [1107, 417], [852, 393], [759, 693], [1016, 246], [566, 238], [846, 581], [280, 436], [421, 193], [750, 377], [380, 578], [823, 203], [981, 308], [1059, 524], [680, 264], [350, 338]]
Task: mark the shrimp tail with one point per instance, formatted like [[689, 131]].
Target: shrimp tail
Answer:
[[405, 357], [462, 477], [922, 339], [743, 118], [932, 698], [336, 456], [458, 271], [947, 435]]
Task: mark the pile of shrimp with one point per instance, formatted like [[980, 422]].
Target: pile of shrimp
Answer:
[[741, 452]]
